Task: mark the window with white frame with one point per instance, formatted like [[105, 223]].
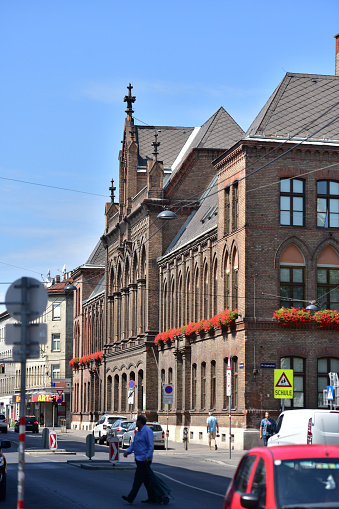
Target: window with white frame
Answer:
[[55, 371], [56, 311], [56, 342], [292, 202]]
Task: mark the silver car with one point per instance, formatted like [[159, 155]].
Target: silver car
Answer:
[[101, 427], [118, 429], [3, 423], [158, 434]]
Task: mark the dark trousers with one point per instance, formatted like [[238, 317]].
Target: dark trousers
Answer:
[[141, 476], [265, 439]]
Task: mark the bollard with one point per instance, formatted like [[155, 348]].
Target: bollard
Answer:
[[90, 443], [45, 438]]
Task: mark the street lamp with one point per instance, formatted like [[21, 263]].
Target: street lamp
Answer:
[[312, 307], [167, 215]]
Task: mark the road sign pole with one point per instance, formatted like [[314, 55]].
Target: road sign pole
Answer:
[[167, 430], [229, 394], [22, 422]]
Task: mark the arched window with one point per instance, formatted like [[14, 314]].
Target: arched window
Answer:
[[292, 202], [203, 385], [196, 295], [188, 317], [162, 405], [109, 394], [227, 293], [298, 366], [213, 384], [327, 204], [116, 393], [179, 303], [172, 305], [235, 206], [215, 289], [194, 386], [292, 277], [235, 269], [326, 365], [140, 390], [328, 278], [165, 308], [123, 392], [227, 211], [206, 294]]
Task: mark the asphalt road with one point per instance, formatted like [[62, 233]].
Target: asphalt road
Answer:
[[197, 478]]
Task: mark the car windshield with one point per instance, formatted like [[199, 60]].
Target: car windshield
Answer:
[[313, 482], [30, 419], [125, 425], [111, 420]]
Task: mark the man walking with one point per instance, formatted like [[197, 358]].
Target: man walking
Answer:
[[267, 427], [212, 430], [142, 446]]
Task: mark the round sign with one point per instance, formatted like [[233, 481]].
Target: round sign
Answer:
[[131, 384], [168, 389], [35, 296]]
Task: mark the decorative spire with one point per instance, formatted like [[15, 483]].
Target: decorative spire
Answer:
[[112, 189], [156, 144], [129, 99]]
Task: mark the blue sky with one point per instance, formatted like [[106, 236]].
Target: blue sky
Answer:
[[65, 66]]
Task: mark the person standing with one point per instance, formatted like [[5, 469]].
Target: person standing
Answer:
[[267, 427], [212, 430], [142, 446]]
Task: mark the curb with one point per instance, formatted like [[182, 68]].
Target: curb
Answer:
[[101, 465]]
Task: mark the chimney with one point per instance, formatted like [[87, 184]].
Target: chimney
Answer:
[[336, 54], [57, 278]]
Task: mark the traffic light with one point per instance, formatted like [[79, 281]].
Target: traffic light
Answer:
[[2, 369], [54, 401]]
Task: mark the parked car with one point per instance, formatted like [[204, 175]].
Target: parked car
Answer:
[[31, 424], [100, 429], [4, 444], [306, 426], [118, 429], [158, 434], [288, 476], [3, 423]]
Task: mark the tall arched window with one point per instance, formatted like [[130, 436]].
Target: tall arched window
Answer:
[[196, 295], [172, 305], [206, 294], [180, 301], [162, 405], [213, 384], [326, 365], [194, 386], [203, 385], [123, 392], [292, 277], [116, 393], [188, 317], [235, 269], [328, 278], [235, 206], [215, 289], [109, 394], [165, 307], [227, 293]]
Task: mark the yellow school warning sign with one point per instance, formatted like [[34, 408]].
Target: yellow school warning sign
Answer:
[[283, 383]]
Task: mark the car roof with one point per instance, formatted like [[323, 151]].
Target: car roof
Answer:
[[284, 452]]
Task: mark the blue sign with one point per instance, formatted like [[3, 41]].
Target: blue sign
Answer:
[[271, 365], [330, 393], [241, 365]]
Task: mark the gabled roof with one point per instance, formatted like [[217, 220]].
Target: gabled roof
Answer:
[[201, 220], [300, 107], [220, 131], [171, 139]]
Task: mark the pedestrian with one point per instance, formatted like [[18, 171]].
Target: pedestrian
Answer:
[[142, 446], [267, 427], [212, 430]]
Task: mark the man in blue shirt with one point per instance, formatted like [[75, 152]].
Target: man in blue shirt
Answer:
[[142, 446], [267, 427], [212, 430]]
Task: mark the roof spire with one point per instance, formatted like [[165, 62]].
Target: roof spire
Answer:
[[112, 189], [129, 99], [156, 144]]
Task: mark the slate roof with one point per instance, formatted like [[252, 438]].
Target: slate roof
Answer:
[[171, 139], [301, 106], [59, 287], [97, 257], [201, 220], [220, 131]]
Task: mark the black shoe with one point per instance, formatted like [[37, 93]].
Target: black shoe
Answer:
[[216, 447], [127, 499], [148, 501]]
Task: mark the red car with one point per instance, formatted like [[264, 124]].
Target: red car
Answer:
[[286, 477]]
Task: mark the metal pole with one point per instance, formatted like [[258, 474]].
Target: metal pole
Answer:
[[230, 425], [167, 430], [22, 421]]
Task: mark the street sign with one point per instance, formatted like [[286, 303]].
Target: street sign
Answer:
[[168, 394], [283, 383], [53, 444], [270, 365], [36, 298], [131, 384], [229, 377], [130, 396], [114, 449], [330, 393]]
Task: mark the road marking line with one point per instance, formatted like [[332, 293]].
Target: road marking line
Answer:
[[189, 485]]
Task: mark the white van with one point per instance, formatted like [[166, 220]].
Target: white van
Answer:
[[306, 426]]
